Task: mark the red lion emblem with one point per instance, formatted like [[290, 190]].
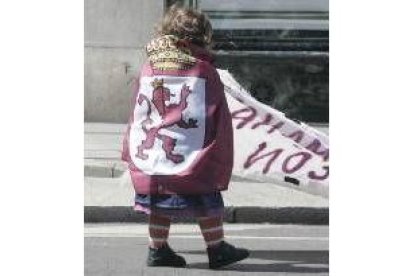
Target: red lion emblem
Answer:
[[171, 114]]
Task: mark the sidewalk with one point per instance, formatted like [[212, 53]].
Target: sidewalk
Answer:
[[108, 199]]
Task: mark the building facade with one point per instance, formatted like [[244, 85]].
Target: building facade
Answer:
[[277, 49]]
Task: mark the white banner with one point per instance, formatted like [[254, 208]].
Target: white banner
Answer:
[[271, 148]]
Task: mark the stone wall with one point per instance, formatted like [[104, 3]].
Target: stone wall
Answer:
[[116, 32]]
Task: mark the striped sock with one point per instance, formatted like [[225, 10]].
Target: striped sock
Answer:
[[212, 230], [159, 228]]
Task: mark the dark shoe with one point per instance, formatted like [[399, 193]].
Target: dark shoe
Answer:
[[225, 254], [164, 256]]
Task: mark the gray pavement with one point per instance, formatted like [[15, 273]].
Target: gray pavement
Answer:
[[121, 249], [108, 198]]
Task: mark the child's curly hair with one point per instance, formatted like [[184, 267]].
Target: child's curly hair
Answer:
[[187, 23]]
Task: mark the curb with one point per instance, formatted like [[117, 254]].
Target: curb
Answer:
[[282, 215], [103, 168]]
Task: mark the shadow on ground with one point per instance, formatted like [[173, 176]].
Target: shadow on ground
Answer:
[[285, 261]]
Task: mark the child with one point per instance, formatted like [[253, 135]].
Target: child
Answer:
[[179, 142]]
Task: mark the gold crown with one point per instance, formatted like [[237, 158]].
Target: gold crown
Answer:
[[157, 83]]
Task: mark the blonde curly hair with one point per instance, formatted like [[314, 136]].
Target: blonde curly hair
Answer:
[[188, 24]]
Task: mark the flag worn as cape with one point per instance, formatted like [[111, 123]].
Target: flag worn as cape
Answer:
[[272, 148]]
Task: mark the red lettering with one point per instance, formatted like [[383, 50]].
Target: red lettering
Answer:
[[305, 156], [276, 126], [313, 175], [244, 119], [253, 158], [265, 121], [315, 146], [298, 134]]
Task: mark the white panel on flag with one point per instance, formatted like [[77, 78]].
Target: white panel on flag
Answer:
[[169, 124]]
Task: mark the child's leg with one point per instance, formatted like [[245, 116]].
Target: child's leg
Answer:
[[159, 228], [212, 230]]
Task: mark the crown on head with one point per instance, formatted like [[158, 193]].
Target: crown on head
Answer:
[[157, 83]]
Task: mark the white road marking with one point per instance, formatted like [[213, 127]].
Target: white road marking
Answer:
[[192, 231], [213, 229], [175, 228], [130, 235]]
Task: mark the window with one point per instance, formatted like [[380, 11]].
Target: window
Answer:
[[277, 49]]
